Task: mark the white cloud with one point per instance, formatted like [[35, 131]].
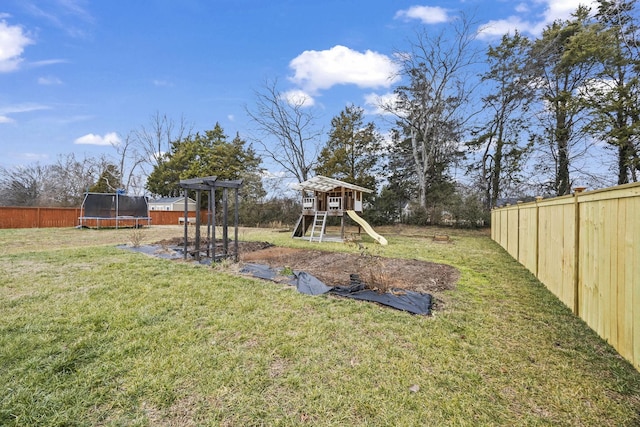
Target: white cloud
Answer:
[[315, 70], [8, 110], [49, 80], [162, 83], [425, 14], [69, 16], [593, 87], [533, 21], [22, 108], [298, 97], [46, 62], [381, 104], [562, 9], [13, 41], [498, 28], [65, 120], [32, 157], [387, 139], [266, 174], [231, 117], [111, 138], [77, 9]]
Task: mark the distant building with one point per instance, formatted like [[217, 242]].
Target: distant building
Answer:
[[171, 204]]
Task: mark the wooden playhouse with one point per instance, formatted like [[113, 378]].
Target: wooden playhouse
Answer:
[[324, 197]]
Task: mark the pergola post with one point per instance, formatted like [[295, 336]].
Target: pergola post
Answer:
[[198, 203], [225, 222], [213, 223], [235, 258], [186, 221], [209, 213]]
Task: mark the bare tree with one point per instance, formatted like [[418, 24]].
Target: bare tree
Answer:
[[130, 163], [290, 129], [154, 140], [23, 185], [65, 182], [433, 106], [69, 179]]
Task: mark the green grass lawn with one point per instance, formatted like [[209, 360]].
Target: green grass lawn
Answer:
[[94, 335]]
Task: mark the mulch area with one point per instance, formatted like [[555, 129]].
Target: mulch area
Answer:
[[334, 268]]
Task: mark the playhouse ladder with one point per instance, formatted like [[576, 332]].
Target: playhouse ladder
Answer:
[[319, 220]]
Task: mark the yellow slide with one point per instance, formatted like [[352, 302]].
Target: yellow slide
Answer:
[[365, 225]]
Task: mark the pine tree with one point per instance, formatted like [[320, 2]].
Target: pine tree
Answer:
[[208, 154], [109, 181], [352, 151]]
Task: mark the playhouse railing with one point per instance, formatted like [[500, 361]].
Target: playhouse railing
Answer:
[[335, 203], [309, 203]]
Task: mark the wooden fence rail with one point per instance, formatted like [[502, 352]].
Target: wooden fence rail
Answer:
[[585, 248], [43, 217]]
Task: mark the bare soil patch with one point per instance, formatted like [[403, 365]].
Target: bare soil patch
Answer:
[[335, 268]]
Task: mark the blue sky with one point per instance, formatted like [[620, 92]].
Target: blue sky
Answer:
[[78, 75]]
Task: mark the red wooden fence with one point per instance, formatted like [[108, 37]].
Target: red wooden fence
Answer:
[[42, 217]]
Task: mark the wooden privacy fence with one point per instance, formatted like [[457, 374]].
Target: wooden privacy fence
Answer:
[[43, 217], [39, 217], [585, 248]]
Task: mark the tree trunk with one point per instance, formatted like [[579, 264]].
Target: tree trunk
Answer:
[[625, 154], [497, 167], [420, 165], [563, 186]]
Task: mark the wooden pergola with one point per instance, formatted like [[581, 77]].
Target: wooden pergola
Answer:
[[210, 184]]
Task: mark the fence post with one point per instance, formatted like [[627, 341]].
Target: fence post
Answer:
[[518, 204], [506, 230], [576, 249], [537, 241]]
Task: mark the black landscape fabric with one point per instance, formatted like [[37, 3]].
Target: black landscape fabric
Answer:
[[413, 302], [410, 301], [310, 285], [305, 283], [260, 271]]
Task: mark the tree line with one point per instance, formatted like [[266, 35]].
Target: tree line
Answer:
[[465, 130]]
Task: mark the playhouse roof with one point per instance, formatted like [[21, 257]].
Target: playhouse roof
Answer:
[[324, 184]]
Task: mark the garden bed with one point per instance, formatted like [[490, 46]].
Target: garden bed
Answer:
[[335, 268]]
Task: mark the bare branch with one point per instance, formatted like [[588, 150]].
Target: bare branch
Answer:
[[288, 133]]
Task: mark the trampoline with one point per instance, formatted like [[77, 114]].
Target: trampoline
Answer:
[[114, 210]]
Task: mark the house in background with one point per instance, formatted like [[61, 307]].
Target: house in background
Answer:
[[172, 204]]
